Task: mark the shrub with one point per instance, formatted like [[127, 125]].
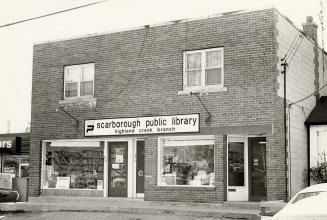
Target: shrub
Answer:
[[319, 172]]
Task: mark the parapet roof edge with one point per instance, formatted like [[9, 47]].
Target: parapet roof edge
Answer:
[[155, 25]]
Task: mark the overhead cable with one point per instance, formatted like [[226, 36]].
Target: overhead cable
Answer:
[[297, 47], [291, 47], [314, 93], [51, 14]]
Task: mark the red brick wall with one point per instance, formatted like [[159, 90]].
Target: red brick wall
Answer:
[[155, 73]]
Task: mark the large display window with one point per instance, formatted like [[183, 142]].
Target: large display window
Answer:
[[73, 168], [186, 161]]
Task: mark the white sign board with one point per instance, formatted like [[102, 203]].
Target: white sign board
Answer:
[[143, 125], [6, 180], [63, 182]]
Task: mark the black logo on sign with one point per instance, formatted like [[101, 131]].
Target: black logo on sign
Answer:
[[89, 128]]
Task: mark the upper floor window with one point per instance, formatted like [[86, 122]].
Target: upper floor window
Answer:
[[79, 81], [203, 69]]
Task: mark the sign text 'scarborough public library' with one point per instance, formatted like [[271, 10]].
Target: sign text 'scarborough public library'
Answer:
[[143, 125]]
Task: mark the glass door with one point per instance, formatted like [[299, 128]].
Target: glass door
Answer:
[[118, 169], [257, 169], [140, 167], [237, 188]]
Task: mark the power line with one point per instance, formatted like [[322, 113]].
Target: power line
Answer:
[[54, 13], [297, 47], [291, 47], [314, 93]]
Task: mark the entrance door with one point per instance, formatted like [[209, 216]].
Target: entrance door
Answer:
[[118, 169], [257, 169], [237, 188], [139, 167]]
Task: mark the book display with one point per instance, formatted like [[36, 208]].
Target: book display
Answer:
[[84, 167]]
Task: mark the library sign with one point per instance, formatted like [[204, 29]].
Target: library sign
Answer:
[[143, 125]]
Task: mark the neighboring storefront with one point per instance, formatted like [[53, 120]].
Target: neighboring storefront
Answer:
[[317, 132], [14, 154]]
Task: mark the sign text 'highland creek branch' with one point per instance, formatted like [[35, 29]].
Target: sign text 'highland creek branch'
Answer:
[[143, 125]]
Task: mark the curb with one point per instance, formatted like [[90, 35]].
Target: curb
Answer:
[[181, 211]]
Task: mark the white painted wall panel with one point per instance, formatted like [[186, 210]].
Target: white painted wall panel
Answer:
[[300, 83]]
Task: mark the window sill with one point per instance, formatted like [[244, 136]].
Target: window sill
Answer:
[[203, 90], [186, 187], [72, 189], [89, 102]]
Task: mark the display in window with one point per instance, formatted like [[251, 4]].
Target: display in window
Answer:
[[188, 165], [11, 164], [83, 168], [119, 167], [236, 164]]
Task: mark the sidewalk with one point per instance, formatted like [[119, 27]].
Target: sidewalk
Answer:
[[227, 210]]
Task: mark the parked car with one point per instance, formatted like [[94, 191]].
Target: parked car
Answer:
[[8, 195], [309, 203]]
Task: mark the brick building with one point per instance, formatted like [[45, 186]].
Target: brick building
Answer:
[[189, 110]]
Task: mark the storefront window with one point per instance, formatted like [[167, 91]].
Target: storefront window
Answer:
[[186, 162], [73, 168], [17, 165], [11, 165]]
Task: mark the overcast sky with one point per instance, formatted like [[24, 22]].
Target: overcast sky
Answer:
[[16, 42]]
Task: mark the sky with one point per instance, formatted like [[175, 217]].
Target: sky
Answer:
[[16, 41]]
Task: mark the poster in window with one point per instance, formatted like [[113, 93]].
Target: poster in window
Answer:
[[63, 182], [119, 158], [170, 179]]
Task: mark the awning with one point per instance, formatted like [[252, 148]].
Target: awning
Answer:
[[318, 116]]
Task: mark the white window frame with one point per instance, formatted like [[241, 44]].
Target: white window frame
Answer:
[[69, 143], [203, 87], [81, 66], [182, 141]]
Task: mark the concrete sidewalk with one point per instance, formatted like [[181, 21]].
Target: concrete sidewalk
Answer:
[[226, 210]]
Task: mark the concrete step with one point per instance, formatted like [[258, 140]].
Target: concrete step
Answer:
[[242, 205], [271, 207]]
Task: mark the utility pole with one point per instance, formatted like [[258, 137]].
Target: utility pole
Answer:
[[321, 18], [288, 183], [8, 126]]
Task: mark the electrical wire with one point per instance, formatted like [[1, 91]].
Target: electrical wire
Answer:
[[51, 14], [297, 47], [291, 47], [314, 93]]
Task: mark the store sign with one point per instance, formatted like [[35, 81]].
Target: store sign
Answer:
[[143, 125], [9, 145]]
